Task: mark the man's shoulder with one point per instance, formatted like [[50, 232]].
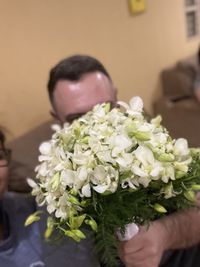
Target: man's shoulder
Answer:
[[25, 156], [33, 137]]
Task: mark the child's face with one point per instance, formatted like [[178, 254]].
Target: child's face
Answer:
[[3, 171]]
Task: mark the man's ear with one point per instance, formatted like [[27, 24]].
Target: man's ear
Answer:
[[53, 114], [115, 93]]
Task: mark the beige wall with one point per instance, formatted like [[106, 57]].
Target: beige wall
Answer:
[[36, 34]]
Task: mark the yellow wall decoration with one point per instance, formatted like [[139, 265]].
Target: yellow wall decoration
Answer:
[[137, 6]]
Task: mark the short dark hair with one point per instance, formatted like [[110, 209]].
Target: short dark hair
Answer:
[[73, 68], [198, 55], [2, 137]]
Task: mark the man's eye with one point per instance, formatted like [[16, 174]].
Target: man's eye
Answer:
[[70, 119]]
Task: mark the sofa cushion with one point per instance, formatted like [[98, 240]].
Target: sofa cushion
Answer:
[[178, 81], [181, 118]]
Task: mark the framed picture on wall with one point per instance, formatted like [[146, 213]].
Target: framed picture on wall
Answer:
[[137, 6]]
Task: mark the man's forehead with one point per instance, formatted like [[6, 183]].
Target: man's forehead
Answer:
[[89, 81], [74, 98]]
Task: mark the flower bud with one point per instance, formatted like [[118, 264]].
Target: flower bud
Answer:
[[142, 136], [33, 218], [190, 195], [195, 187], [92, 224], [159, 208], [166, 157]]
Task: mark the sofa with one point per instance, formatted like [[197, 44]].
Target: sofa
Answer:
[[178, 106], [25, 151]]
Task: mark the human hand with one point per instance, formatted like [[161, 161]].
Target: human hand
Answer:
[[198, 199], [146, 248]]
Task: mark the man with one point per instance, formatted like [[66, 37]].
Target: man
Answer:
[[25, 246], [75, 85]]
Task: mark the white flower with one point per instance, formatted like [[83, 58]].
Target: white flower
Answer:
[[45, 148], [42, 169], [68, 178], [86, 190], [105, 156], [136, 104], [139, 171], [123, 104], [144, 181], [130, 182], [103, 152], [61, 213], [100, 188], [104, 179], [51, 203], [31, 183], [100, 111], [144, 155], [168, 191], [56, 127], [181, 147], [146, 166], [168, 173], [122, 141], [125, 159]]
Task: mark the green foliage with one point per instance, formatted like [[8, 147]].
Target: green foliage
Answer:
[[107, 213], [114, 211]]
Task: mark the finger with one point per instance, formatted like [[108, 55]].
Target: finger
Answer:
[[144, 263], [133, 245]]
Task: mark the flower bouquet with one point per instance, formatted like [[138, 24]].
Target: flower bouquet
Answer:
[[110, 168]]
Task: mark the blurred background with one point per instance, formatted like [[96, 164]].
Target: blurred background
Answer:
[[134, 45]]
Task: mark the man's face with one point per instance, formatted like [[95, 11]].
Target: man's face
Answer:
[[72, 99], [3, 171]]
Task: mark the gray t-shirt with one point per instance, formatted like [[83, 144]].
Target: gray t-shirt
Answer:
[[26, 247]]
